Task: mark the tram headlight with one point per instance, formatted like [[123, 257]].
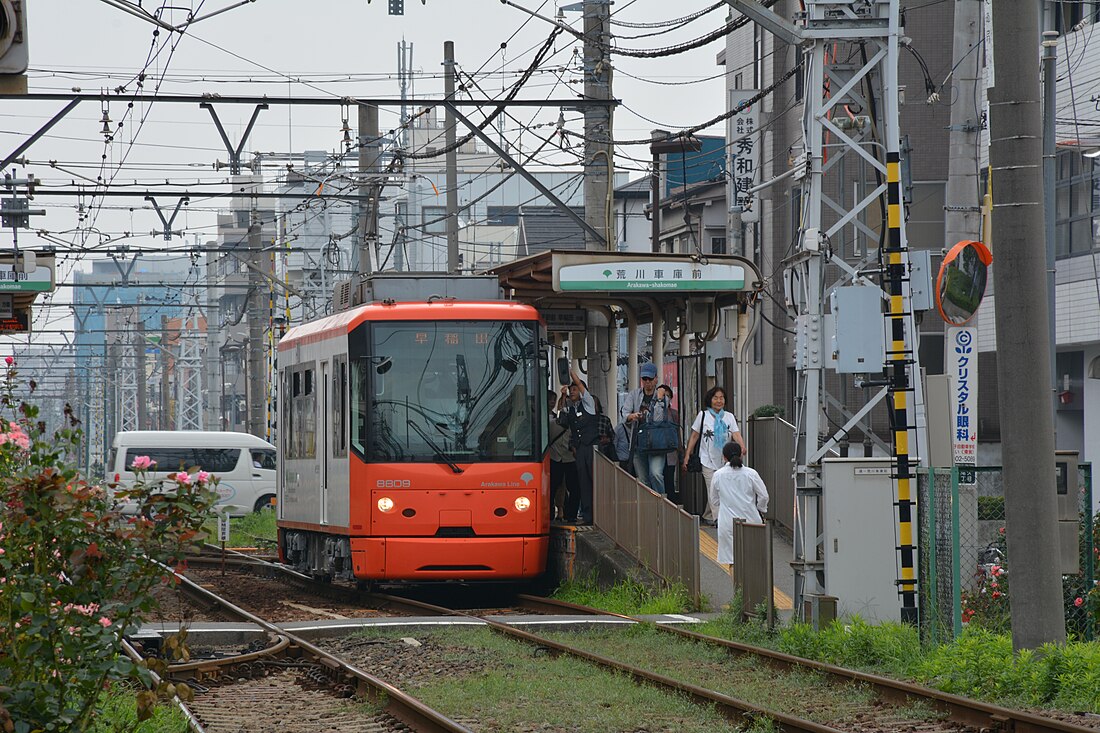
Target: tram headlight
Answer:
[[385, 504], [523, 504]]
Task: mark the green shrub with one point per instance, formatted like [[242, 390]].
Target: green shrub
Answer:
[[769, 411], [855, 643], [991, 508], [75, 575]]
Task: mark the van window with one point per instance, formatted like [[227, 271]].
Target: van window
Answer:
[[214, 460], [263, 458]]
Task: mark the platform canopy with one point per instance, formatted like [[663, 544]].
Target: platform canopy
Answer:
[[640, 280]]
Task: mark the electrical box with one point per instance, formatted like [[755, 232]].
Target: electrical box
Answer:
[[857, 342], [860, 529], [1065, 472], [920, 280], [698, 316]]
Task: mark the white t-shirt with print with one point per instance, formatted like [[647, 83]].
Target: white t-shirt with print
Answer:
[[710, 455]]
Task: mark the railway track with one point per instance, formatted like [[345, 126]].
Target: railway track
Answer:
[[286, 678], [884, 710]]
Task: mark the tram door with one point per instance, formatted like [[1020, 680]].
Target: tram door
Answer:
[[323, 446]]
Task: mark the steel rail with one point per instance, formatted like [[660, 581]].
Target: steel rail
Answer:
[[735, 709], [399, 704]]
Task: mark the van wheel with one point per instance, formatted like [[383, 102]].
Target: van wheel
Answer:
[[267, 501]]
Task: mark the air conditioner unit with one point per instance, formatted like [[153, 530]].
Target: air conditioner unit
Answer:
[[13, 37]]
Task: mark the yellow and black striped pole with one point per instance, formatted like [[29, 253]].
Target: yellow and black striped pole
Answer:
[[899, 356]]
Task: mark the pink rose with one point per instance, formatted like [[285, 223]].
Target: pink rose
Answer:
[[142, 463], [183, 477], [202, 477], [1078, 601], [104, 621], [9, 360]]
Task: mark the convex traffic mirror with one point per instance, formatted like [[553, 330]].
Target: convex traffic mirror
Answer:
[[960, 285]]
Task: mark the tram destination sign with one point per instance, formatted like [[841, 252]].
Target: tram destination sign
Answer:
[[649, 276]]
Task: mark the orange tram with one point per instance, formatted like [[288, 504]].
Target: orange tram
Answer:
[[413, 443]]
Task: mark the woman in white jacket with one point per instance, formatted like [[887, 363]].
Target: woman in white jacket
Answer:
[[739, 493]]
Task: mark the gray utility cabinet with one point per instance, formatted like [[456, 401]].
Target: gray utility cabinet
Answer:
[[860, 531]]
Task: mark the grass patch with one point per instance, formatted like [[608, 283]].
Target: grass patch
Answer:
[[117, 712], [255, 529], [509, 686], [801, 693], [628, 598], [979, 664]]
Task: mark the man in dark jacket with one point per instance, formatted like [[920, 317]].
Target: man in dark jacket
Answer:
[[580, 416]]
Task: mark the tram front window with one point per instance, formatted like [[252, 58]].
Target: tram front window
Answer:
[[449, 392]]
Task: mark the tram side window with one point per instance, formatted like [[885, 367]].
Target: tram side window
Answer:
[[287, 413], [302, 425], [340, 406], [359, 404]]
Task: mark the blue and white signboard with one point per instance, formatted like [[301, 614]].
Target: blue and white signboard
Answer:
[[962, 367]]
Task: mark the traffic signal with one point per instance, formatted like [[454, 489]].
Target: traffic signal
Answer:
[[13, 37]]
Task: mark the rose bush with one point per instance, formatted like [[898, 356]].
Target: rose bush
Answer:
[[75, 574]]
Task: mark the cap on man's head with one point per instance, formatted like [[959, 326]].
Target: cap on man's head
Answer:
[[649, 370]]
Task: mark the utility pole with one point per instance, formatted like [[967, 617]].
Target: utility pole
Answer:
[[369, 157], [598, 177], [1050, 153], [1021, 313], [598, 149], [256, 377], [962, 212], [452, 158]]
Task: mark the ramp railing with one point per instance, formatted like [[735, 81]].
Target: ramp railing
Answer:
[[660, 535], [771, 450], [753, 572]]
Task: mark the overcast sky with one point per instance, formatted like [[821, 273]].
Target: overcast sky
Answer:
[[330, 48]]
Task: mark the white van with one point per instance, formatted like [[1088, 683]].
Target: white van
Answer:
[[244, 464]]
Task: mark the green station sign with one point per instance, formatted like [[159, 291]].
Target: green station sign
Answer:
[[650, 276]]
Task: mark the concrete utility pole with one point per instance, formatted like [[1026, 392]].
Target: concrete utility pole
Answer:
[[256, 371], [452, 158], [369, 158], [1020, 287], [598, 150], [1050, 153], [962, 212]]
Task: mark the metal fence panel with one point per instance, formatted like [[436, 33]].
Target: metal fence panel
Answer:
[[752, 568], [771, 452], [966, 567], [660, 535]]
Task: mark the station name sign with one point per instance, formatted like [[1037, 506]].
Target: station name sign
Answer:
[[650, 276], [39, 281]]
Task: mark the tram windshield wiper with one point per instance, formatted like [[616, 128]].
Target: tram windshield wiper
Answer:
[[439, 452]]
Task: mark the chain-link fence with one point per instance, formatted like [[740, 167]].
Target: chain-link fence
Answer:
[[964, 563]]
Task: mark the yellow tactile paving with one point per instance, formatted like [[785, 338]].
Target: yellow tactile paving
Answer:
[[709, 547]]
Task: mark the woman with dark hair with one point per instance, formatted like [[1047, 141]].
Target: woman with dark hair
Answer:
[[739, 494], [715, 427]]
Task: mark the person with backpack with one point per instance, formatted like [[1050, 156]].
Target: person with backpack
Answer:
[[643, 409], [714, 427], [582, 419]]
